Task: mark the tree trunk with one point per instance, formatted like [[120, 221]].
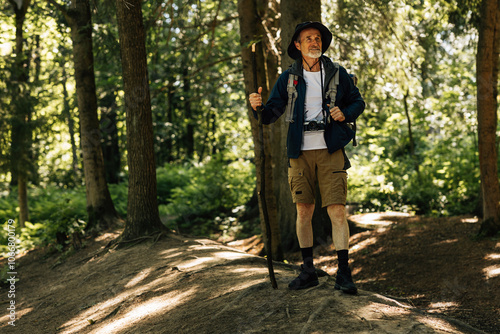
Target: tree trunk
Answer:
[[21, 131], [188, 115], [71, 124], [487, 80], [410, 134], [110, 144], [142, 210], [293, 12], [251, 28], [100, 208]]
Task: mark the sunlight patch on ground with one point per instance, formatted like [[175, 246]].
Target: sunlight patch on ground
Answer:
[[378, 219], [252, 270], [106, 236], [138, 278], [449, 241], [492, 257], [375, 311], [195, 262], [470, 220], [102, 309], [243, 285], [150, 308], [215, 257], [437, 323], [363, 244], [380, 278], [174, 255], [492, 271], [231, 255], [440, 306], [19, 313]]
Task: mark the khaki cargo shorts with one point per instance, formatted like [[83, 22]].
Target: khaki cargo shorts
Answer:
[[318, 165]]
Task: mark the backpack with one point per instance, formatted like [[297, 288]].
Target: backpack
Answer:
[[330, 93]]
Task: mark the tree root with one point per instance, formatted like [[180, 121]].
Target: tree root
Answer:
[[315, 314], [125, 244]]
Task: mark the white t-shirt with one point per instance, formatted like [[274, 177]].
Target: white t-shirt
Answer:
[[313, 111]]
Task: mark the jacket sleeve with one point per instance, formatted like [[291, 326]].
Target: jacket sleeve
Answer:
[[275, 105], [352, 104]]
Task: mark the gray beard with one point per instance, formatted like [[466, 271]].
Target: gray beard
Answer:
[[313, 54]]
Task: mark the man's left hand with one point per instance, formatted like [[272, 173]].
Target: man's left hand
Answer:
[[337, 114]]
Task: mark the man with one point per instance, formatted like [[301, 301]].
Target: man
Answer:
[[317, 134]]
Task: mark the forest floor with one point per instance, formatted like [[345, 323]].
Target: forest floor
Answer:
[[416, 275]]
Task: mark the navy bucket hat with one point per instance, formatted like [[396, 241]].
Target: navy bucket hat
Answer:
[[326, 37]]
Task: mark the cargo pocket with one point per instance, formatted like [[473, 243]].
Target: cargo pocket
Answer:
[[295, 175], [341, 186]]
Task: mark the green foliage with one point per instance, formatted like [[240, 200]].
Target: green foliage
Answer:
[[415, 75], [209, 201], [54, 213], [119, 193], [169, 178]]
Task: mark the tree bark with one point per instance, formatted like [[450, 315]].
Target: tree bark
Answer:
[[411, 141], [487, 80], [110, 144], [70, 122], [188, 114], [100, 208], [21, 131], [142, 209], [293, 12], [251, 29]]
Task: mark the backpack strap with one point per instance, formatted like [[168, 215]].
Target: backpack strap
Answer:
[[333, 85], [292, 95], [332, 94]]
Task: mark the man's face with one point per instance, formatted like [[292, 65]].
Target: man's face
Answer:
[[310, 43]]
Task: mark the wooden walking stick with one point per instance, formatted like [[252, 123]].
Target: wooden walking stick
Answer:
[[262, 193]]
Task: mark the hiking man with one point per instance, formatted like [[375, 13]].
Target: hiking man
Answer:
[[317, 135]]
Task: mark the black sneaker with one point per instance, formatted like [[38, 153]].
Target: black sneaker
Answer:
[[307, 279], [344, 282]]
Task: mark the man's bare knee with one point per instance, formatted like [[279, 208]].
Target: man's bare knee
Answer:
[[336, 213], [305, 207], [305, 211]]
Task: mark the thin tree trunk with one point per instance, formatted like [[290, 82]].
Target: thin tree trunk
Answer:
[[142, 210], [21, 132], [70, 122], [110, 144], [487, 93], [410, 133], [100, 208], [188, 112]]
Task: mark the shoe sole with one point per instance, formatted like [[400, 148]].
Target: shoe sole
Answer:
[[308, 285], [352, 291]]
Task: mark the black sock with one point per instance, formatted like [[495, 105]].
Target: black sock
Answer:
[[343, 257], [307, 257]]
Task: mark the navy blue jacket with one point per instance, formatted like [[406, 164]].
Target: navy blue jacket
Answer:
[[337, 134]]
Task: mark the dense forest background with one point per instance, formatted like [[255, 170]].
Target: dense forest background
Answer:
[[418, 137]]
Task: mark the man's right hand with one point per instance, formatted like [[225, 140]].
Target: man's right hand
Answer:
[[256, 99]]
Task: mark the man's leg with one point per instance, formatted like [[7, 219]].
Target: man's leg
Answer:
[[340, 236], [307, 277], [340, 228], [304, 224]]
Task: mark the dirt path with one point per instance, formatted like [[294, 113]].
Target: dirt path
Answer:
[[186, 285]]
